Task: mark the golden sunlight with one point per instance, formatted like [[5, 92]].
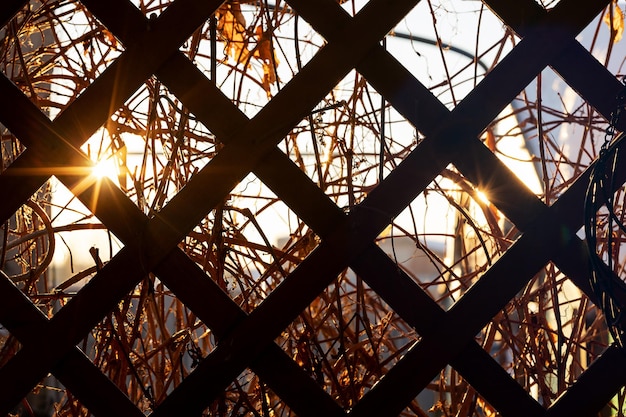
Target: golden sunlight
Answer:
[[104, 168], [482, 196]]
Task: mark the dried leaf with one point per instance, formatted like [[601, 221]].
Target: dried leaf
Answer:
[[269, 77], [616, 24], [232, 28], [264, 46], [264, 53], [110, 38]]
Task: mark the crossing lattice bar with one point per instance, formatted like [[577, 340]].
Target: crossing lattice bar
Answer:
[[347, 237]]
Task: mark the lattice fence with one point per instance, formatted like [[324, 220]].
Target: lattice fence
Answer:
[[233, 342]]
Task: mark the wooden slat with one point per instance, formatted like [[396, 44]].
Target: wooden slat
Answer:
[[248, 340]]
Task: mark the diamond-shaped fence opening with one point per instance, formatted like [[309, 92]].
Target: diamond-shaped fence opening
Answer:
[[53, 246], [46, 394], [250, 243], [54, 53], [149, 344], [151, 147], [449, 393], [512, 137], [351, 140], [447, 237], [250, 50], [151, 8], [547, 336], [248, 395], [548, 4], [561, 133], [197, 302], [347, 339], [83, 244], [427, 44]]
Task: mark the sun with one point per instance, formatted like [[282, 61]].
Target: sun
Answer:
[[482, 197], [104, 168]]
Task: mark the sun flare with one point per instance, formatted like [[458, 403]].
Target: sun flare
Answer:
[[482, 197], [104, 168]]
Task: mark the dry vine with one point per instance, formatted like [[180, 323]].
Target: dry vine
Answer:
[[349, 337]]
